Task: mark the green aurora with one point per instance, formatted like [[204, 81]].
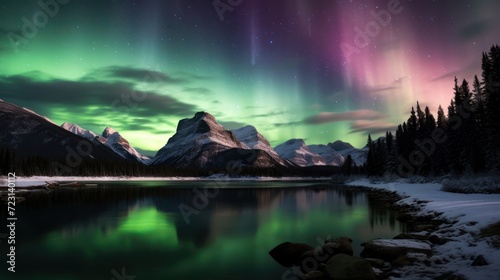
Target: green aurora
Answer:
[[140, 67]]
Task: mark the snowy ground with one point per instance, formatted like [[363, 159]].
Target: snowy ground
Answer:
[[40, 180], [471, 211]]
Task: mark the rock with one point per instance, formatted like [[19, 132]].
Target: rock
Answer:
[[479, 261], [312, 259], [345, 267], [339, 245], [391, 249], [402, 261], [422, 227], [288, 254], [315, 275], [376, 262], [450, 276], [377, 271], [410, 236], [434, 239]]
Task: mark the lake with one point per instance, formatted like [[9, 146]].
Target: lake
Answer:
[[170, 230]]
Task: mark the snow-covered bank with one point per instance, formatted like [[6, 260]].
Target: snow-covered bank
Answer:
[[471, 213], [41, 180]]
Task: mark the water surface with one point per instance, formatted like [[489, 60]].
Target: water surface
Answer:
[[137, 229]]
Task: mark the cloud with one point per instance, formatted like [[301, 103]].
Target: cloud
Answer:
[[328, 117], [382, 89], [191, 76], [135, 74], [42, 94], [197, 90], [392, 86], [456, 73], [372, 127], [267, 115], [288, 124], [473, 30], [447, 76]]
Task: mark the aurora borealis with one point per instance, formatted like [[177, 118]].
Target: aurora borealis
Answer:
[[141, 66]]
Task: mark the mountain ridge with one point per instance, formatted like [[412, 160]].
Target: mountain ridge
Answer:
[[199, 142], [110, 138]]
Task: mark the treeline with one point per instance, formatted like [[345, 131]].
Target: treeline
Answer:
[[38, 166], [464, 140]]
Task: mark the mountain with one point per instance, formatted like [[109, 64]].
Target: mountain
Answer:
[[334, 153], [344, 149], [121, 146], [26, 133], [79, 131], [110, 138], [201, 142], [296, 151], [340, 145], [330, 156], [249, 136]]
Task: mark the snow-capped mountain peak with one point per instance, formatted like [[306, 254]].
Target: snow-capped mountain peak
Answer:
[[110, 138], [121, 146], [108, 131], [78, 130], [296, 151], [202, 142], [344, 149], [340, 145], [249, 136], [330, 156]]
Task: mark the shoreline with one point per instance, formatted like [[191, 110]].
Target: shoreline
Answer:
[[417, 226], [28, 182], [455, 219]]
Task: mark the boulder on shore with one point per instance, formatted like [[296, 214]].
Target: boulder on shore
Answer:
[[288, 253], [345, 267], [392, 249], [339, 245]]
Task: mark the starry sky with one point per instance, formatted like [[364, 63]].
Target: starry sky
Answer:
[[319, 70]]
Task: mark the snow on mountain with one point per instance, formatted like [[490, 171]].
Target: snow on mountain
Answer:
[[330, 156], [340, 145], [201, 142], [78, 130], [110, 138], [249, 136], [344, 149], [296, 151], [26, 133], [44, 117], [121, 146]]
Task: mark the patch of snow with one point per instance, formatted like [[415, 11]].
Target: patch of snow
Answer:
[[110, 138], [43, 117], [296, 151], [413, 244], [79, 130], [471, 212], [121, 146], [250, 137], [330, 156]]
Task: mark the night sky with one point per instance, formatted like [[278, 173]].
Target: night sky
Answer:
[[292, 68]]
